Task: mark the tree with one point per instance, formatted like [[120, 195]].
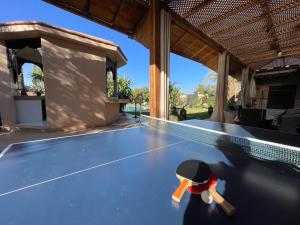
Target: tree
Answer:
[[206, 94], [211, 90], [124, 87], [140, 96], [206, 89], [211, 76], [37, 76], [192, 100], [175, 96], [37, 73], [201, 89], [110, 84], [232, 91]]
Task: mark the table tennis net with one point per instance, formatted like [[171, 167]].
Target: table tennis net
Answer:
[[251, 146]]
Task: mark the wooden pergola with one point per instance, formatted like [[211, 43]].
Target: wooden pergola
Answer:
[[228, 36]]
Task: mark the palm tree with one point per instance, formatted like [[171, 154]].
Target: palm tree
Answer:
[[211, 76], [37, 81]]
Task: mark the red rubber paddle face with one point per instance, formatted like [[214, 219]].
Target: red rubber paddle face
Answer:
[[194, 170], [197, 189]]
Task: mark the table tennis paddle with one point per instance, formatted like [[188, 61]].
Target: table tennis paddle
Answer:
[[197, 189], [226, 206], [189, 173], [210, 186], [196, 175]]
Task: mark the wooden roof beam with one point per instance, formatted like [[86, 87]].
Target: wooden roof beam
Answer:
[[199, 50], [250, 46], [257, 30], [196, 8], [167, 2], [292, 53], [252, 61], [230, 13], [257, 18], [87, 6], [117, 11], [288, 20], [258, 65], [244, 45], [262, 44], [268, 53], [179, 40], [141, 2], [292, 44], [237, 26], [187, 27], [270, 27], [242, 55], [212, 61], [291, 49], [208, 56], [82, 12]]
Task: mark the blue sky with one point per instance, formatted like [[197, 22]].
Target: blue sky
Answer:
[[184, 72]]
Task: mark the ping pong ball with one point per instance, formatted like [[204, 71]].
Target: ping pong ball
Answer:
[[206, 197]]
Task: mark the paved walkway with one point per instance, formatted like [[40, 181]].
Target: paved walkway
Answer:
[[7, 138]]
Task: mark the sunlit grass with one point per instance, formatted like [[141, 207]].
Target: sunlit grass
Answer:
[[192, 113], [197, 113]]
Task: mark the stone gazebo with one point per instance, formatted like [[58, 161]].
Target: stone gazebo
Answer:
[[75, 68]]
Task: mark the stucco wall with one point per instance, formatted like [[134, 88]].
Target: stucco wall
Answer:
[[7, 108], [75, 83]]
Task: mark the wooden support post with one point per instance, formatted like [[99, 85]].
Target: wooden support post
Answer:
[[155, 58]]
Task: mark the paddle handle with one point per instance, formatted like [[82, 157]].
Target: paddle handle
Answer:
[[177, 195], [226, 206]]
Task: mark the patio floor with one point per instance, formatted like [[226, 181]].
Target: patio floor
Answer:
[[7, 138]]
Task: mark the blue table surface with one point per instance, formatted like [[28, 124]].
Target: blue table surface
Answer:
[[128, 176]]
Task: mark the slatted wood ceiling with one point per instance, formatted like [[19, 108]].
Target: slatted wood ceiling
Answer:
[[253, 31]]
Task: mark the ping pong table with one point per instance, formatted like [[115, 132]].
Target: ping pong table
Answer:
[[127, 176]]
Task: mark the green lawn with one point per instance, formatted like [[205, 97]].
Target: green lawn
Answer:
[[192, 113], [197, 113]]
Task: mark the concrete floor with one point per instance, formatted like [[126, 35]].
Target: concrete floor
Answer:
[[7, 138]]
